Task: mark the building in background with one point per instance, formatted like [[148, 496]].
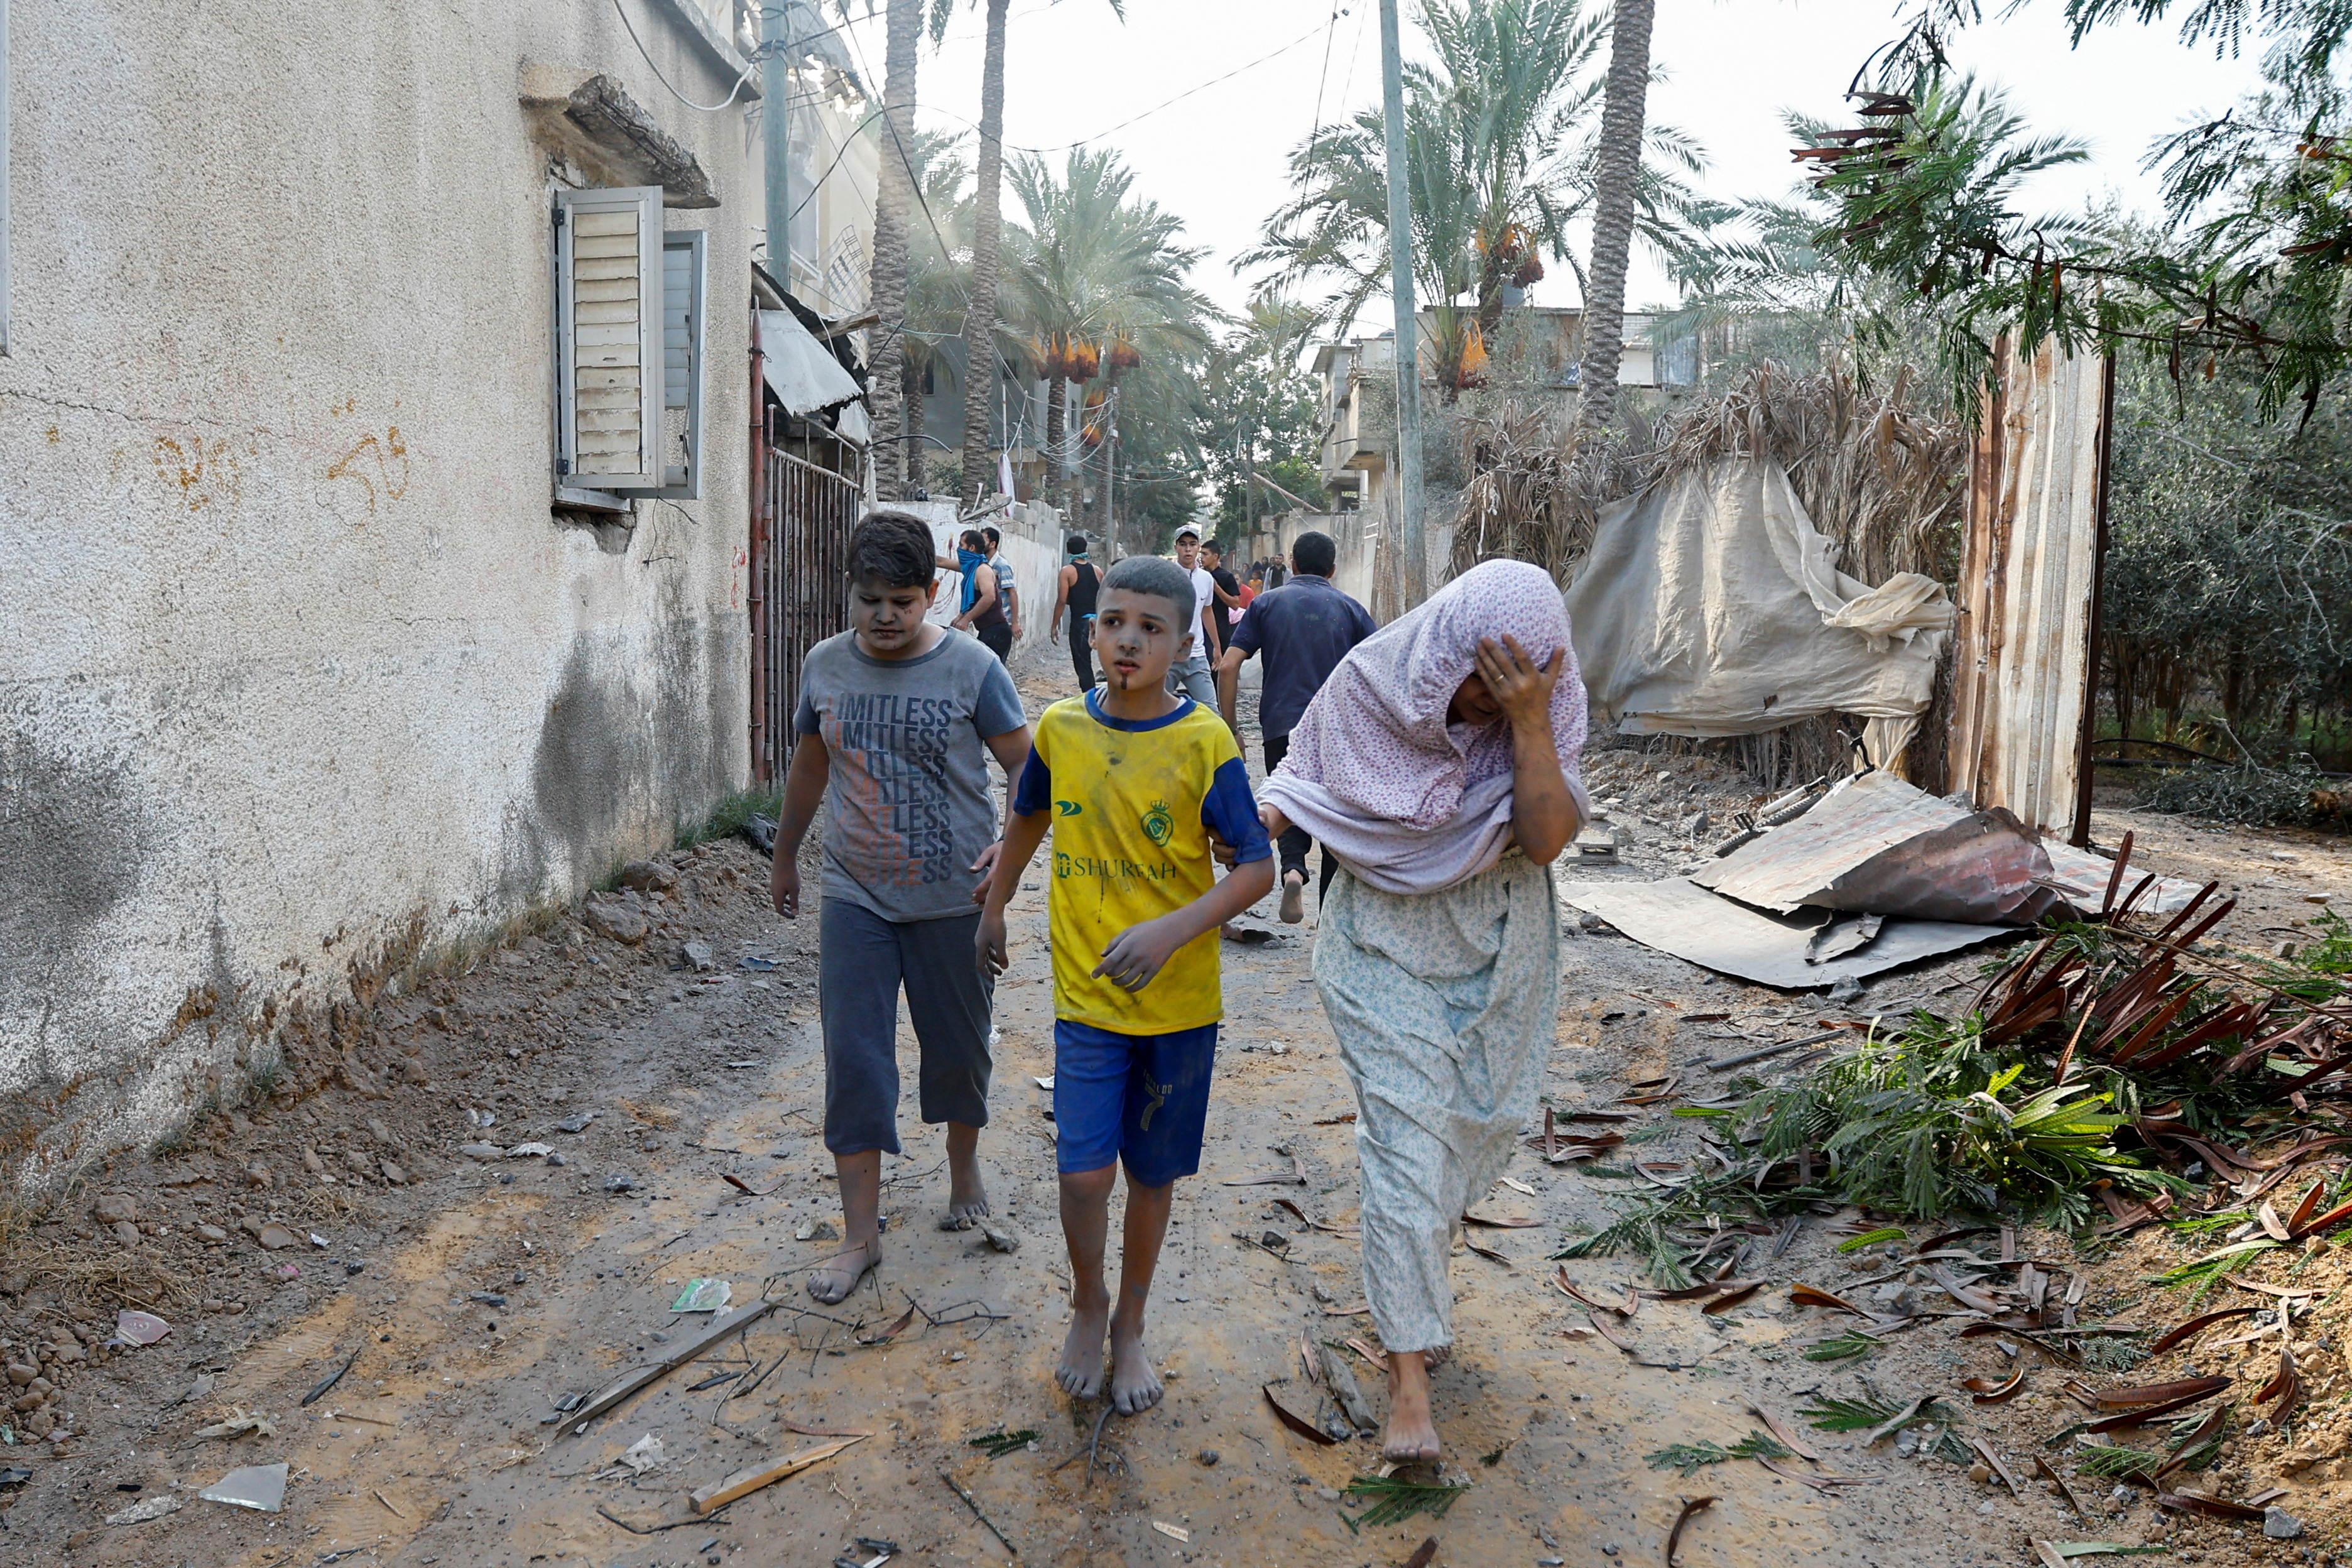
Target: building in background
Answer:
[[1544, 347]]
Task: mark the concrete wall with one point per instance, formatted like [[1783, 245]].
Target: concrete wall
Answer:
[[301, 671], [1033, 548], [1356, 534]]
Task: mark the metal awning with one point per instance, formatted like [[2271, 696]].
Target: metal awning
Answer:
[[801, 371]]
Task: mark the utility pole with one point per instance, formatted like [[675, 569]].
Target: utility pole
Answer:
[[1408, 330], [776, 138]]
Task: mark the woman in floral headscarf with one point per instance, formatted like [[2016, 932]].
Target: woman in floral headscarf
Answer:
[[1438, 763]]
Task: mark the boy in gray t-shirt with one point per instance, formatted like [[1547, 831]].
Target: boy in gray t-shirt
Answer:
[[896, 723]]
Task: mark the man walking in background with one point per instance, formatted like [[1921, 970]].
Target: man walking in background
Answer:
[[1191, 673], [1005, 591], [1229, 602], [1304, 629], [1075, 594]]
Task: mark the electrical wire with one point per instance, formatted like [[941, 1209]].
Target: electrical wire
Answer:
[[1188, 92], [757, 55]]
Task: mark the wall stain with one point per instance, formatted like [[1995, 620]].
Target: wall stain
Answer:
[[388, 459], [205, 471]]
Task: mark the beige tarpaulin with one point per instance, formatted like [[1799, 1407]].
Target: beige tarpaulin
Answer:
[[1710, 605]]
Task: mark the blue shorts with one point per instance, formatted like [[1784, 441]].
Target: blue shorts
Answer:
[[1143, 1099]]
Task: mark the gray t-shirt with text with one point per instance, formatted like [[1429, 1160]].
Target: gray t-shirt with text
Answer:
[[907, 806]]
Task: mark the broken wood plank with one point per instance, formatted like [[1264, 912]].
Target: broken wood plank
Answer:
[[711, 1498], [723, 1326]]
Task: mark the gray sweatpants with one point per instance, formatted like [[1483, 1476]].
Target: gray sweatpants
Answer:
[[862, 962], [1190, 677]]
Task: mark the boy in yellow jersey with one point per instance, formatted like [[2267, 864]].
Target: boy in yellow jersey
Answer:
[[1134, 782]]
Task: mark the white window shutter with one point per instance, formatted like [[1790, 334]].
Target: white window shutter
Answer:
[[608, 256], [684, 273]]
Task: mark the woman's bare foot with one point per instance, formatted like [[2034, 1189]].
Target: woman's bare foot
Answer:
[[1134, 1386], [1412, 1431], [1081, 1371], [1294, 898], [837, 1276]]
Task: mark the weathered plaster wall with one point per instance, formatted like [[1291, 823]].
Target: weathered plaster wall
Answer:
[[299, 668]]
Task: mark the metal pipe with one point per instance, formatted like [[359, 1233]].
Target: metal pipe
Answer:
[[1408, 330], [756, 599], [775, 136]]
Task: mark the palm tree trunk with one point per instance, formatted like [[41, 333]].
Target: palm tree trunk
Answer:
[[1617, 171], [1053, 487], [913, 447], [980, 378], [893, 206]]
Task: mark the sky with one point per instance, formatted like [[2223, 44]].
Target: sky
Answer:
[[1217, 155]]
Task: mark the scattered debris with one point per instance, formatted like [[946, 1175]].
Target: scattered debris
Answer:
[[1393, 1501], [999, 1443], [703, 1296], [139, 1327], [319, 1390], [1674, 1536], [259, 1486], [644, 1454], [722, 1325], [153, 1508], [238, 1423], [1689, 1458], [1294, 1420], [1172, 1532], [708, 1498], [969, 1501]]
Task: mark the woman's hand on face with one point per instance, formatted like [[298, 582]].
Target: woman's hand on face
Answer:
[[1521, 687]]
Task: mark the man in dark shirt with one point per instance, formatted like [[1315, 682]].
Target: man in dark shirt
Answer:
[[1227, 610], [1303, 628]]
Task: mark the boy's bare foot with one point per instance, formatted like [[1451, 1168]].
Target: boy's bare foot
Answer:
[[967, 1195], [1134, 1386], [837, 1276], [1293, 898], [1412, 1431], [1081, 1371]]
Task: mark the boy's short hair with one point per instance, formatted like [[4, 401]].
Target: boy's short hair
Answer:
[[993, 538], [1210, 547], [973, 539], [1314, 553], [1074, 545], [894, 549], [1156, 575]]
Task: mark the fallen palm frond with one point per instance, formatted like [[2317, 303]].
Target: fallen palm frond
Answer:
[[1397, 1501], [1688, 1459], [1878, 1416], [2099, 1081], [999, 1443], [1841, 1347]]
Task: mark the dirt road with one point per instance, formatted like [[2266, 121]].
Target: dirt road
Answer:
[[466, 1295]]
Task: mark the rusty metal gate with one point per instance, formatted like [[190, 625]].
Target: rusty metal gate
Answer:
[[799, 587]]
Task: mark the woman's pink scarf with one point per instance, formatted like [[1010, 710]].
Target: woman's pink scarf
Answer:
[[1409, 803]]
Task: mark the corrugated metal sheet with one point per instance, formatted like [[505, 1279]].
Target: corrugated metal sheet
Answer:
[[801, 371], [1879, 845], [2029, 587]]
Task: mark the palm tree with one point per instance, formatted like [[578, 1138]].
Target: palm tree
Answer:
[[937, 285], [893, 198], [987, 246], [1502, 160], [1094, 271], [1617, 174]]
